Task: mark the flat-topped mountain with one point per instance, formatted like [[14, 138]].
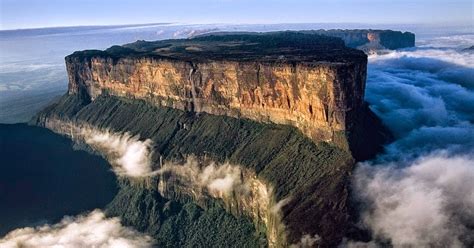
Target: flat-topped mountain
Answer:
[[284, 110]]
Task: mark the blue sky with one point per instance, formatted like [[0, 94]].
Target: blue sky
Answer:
[[46, 13]]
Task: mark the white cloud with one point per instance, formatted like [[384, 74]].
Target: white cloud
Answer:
[[91, 230], [307, 241], [191, 32], [424, 204], [238, 187], [128, 155], [450, 55], [455, 41], [218, 179], [279, 205], [426, 97]]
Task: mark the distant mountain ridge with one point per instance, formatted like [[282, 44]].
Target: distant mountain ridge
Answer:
[[368, 40]]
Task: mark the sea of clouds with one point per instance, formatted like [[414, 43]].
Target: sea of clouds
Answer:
[[420, 192]]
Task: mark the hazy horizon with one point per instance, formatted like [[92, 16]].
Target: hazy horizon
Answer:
[[30, 14], [330, 25]]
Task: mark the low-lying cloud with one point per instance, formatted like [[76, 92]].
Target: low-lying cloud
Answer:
[[218, 180], [307, 241], [425, 109], [191, 32], [428, 203], [128, 155], [131, 157], [420, 192], [91, 230]]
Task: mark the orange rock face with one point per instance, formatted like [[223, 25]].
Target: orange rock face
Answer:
[[373, 37], [316, 97]]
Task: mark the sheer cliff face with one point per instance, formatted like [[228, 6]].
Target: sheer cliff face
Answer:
[[314, 97]]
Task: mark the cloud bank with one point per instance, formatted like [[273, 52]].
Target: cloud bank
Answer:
[[91, 230], [430, 202], [425, 96], [420, 193]]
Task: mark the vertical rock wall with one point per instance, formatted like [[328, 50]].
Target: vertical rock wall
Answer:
[[314, 97]]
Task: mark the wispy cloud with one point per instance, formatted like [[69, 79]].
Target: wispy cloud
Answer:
[[129, 155]]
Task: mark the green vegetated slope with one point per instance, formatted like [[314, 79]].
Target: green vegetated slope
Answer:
[[313, 176], [181, 224]]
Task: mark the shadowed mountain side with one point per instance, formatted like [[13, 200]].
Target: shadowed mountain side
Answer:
[[181, 223], [313, 176]]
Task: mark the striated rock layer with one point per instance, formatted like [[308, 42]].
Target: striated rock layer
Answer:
[[298, 84]]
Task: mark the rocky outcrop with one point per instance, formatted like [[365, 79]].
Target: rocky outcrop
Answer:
[[468, 49], [372, 40], [317, 97]]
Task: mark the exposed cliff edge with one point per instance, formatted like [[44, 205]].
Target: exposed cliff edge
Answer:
[[287, 109], [311, 82]]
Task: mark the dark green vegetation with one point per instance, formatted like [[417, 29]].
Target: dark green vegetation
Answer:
[[468, 49], [43, 178], [181, 224], [315, 176], [397, 39], [261, 47]]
